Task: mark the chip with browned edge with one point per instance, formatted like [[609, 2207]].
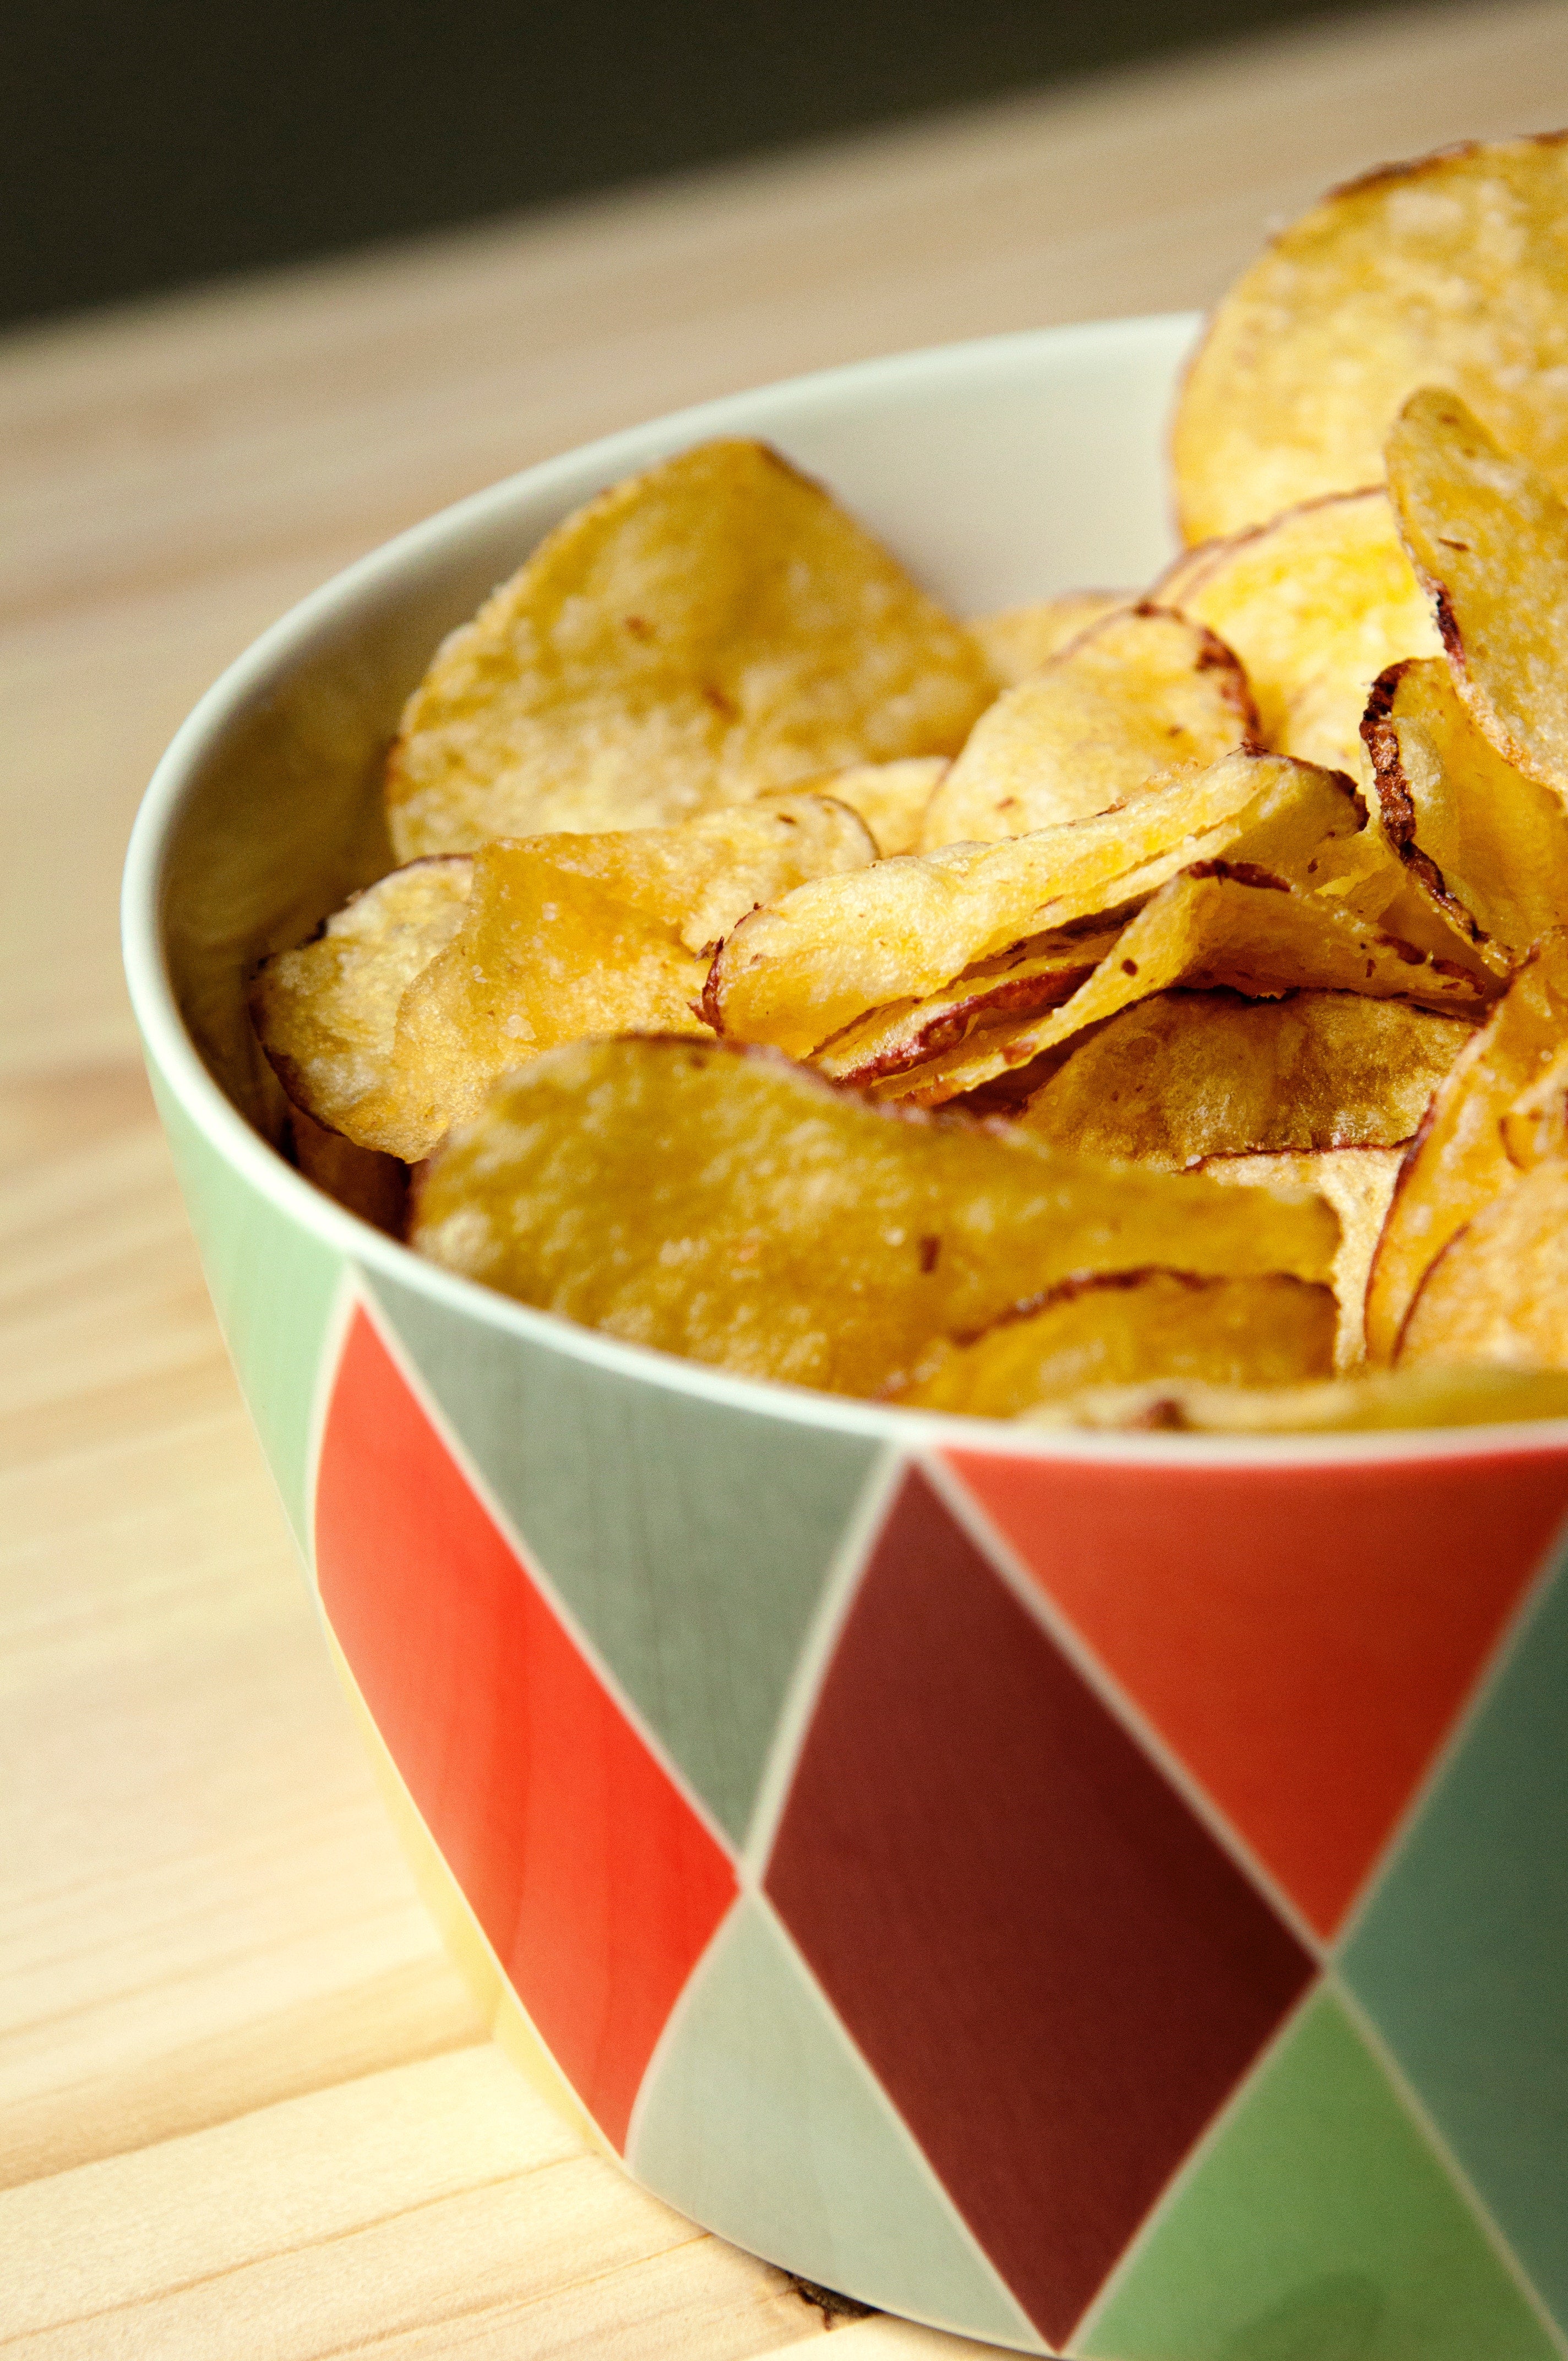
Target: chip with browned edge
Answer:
[[1449, 271], [1124, 1329], [1144, 695], [1358, 1183], [733, 1207], [1498, 1291], [1018, 640], [1488, 536], [697, 634], [1459, 1160]]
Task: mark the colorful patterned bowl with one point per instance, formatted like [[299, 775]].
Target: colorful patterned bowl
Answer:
[[1108, 1896]]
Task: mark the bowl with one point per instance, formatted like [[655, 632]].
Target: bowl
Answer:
[[1105, 1894]]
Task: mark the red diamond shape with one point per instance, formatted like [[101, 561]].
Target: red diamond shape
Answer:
[[595, 1881]]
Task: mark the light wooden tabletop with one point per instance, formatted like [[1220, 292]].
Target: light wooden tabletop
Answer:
[[246, 2108]]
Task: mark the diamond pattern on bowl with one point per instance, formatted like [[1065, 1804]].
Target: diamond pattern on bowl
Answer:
[[595, 1881], [1054, 1970]]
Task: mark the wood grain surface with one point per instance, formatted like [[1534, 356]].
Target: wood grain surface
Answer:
[[245, 2106]]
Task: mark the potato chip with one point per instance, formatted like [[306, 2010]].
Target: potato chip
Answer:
[[1428, 1396], [1018, 640], [542, 957], [1315, 605], [1125, 1330], [1535, 1125], [891, 797], [1216, 924], [697, 634], [327, 1012], [1188, 1074], [375, 1187], [730, 1206], [1498, 1291], [1458, 1160], [698, 878], [1451, 270], [798, 973], [1489, 846], [1142, 695], [1358, 1182], [1489, 538], [1031, 976]]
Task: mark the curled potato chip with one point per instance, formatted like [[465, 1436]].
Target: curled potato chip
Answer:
[[800, 972], [1030, 976], [1216, 924], [1143, 694], [1358, 1182], [732, 1207], [1018, 640], [1487, 845], [1498, 1291], [1448, 270], [1316, 605], [1489, 538], [891, 797], [1188, 1074], [327, 1012], [1458, 1160], [695, 635], [1428, 1395], [1125, 1330]]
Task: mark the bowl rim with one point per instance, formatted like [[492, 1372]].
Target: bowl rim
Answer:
[[169, 1045]]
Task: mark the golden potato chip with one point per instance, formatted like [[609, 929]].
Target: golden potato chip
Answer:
[[891, 797], [1498, 1291], [1458, 1160], [1125, 1330], [1535, 1125], [695, 635], [1018, 640], [1188, 1074], [700, 876], [1358, 1182], [1487, 845], [1428, 1396], [1451, 270], [800, 972], [375, 1187], [326, 1014], [542, 957], [1489, 538], [1030, 976], [1142, 695], [1315, 605], [1216, 924], [730, 1206]]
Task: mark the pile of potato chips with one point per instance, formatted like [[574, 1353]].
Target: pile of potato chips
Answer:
[[1138, 1008]]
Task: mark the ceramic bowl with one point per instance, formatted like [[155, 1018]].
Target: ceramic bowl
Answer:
[[1107, 1895]]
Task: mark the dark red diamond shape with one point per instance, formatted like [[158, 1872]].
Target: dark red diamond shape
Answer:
[[1055, 1971], [592, 1876]]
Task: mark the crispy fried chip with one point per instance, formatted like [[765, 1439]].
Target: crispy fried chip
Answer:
[[800, 972], [891, 797], [1018, 640], [1488, 536], [1535, 1125], [1358, 1183], [1451, 270], [1142, 695], [697, 634], [1189, 1074], [1498, 1291], [326, 1012], [1123, 1331], [1315, 605], [1029, 977], [1487, 845], [1458, 1160], [375, 1187], [1428, 1396], [733, 1207], [1217, 924]]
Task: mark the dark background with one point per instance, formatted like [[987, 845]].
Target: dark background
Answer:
[[147, 143]]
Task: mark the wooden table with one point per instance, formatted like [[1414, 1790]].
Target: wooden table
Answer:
[[246, 2108]]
